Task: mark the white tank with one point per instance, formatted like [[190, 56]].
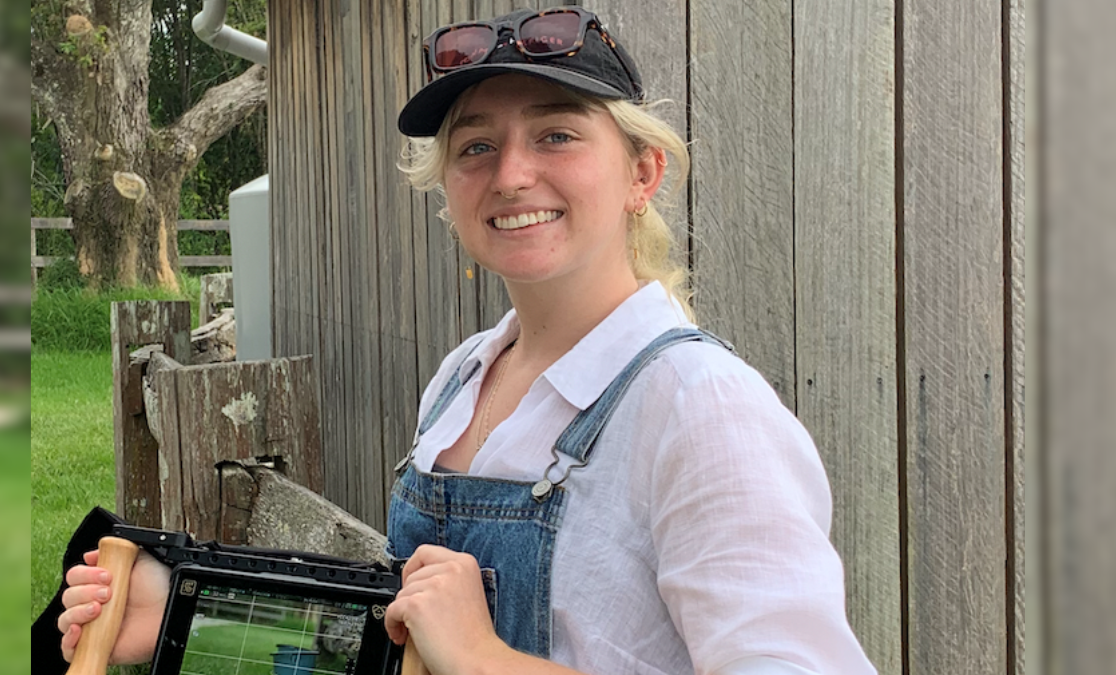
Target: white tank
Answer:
[[250, 235]]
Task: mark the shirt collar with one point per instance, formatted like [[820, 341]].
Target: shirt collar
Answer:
[[491, 345], [584, 372], [581, 375]]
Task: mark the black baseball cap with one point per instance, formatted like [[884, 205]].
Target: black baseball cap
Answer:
[[596, 69]]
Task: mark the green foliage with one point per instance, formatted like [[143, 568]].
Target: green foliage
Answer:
[[61, 275], [182, 69], [77, 319], [48, 187]]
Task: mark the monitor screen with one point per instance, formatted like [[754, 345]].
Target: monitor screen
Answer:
[[219, 623]]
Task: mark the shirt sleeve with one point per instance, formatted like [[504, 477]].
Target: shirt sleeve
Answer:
[[740, 513]]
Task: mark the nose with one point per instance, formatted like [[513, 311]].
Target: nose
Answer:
[[515, 169]]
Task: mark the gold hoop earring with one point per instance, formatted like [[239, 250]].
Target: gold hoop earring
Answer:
[[641, 211]]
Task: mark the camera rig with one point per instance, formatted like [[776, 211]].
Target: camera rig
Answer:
[[289, 611]]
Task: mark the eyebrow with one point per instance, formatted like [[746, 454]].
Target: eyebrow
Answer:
[[530, 112]]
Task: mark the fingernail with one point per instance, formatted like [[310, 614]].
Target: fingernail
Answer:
[[103, 578], [102, 594], [91, 608]]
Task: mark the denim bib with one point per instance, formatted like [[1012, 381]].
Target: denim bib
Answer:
[[509, 526]]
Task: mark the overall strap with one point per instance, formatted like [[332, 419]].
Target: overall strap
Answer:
[[453, 386], [581, 435]]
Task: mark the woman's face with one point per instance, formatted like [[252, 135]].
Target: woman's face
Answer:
[[538, 189]]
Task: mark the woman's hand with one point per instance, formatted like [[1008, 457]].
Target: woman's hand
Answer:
[[143, 615], [442, 607]]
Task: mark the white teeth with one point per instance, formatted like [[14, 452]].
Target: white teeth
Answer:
[[524, 219]]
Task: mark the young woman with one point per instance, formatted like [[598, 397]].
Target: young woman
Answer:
[[595, 484]]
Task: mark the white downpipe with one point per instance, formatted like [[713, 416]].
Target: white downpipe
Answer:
[[209, 25]]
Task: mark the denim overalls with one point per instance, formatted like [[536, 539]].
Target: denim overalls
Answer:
[[508, 526]]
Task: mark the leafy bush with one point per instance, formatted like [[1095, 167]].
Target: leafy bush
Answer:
[[62, 274], [72, 318]]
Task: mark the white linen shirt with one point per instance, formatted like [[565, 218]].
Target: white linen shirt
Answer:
[[696, 540]]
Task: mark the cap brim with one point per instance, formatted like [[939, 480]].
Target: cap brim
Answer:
[[423, 114]]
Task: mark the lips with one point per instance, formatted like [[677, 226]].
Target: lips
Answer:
[[523, 220]]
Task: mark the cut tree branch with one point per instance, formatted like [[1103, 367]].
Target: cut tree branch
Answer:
[[220, 109]]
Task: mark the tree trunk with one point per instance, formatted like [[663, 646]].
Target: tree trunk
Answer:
[[90, 76], [125, 227]]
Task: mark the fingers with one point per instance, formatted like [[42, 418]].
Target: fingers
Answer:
[[70, 639], [82, 595], [78, 616], [80, 575], [428, 555]]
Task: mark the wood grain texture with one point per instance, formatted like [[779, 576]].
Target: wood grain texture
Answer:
[[362, 458], [845, 290], [238, 496], [1015, 86], [261, 411], [954, 308], [330, 227], [743, 257], [395, 267], [216, 293], [1078, 246], [162, 383], [652, 32], [136, 324]]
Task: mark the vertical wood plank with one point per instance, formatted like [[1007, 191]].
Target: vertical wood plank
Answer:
[[137, 324], [1015, 85], [1078, 376], [845, 288], [743, 253], [360, 366], [431, 290], [326, 129], [651, 33], [953, 303], [396, 320]]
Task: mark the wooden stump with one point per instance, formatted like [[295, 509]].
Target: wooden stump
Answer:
[[257, 413], [216, 294]]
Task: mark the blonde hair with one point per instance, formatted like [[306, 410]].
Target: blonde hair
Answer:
[[651, 244]]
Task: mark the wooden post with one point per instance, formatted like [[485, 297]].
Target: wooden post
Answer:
[[136, 324], [216, 290], [216, 417]]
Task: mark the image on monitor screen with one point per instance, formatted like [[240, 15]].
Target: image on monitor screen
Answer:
[[235, 631]]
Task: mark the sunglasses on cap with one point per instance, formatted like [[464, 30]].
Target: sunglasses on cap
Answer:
[[549, 34]]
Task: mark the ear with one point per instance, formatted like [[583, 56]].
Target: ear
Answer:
[[647, 176]]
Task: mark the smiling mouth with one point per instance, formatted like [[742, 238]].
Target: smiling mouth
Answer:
[[524, 220]]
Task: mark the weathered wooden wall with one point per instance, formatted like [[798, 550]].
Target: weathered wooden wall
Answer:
[[1076, 247], [856, 230]]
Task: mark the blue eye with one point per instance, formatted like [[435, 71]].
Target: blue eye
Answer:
[[558, 137], [476, 148]]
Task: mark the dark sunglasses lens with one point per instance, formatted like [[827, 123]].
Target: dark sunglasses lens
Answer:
[[462, 46], [550, 33]]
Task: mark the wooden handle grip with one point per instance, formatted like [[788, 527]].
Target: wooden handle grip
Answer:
[[412, 662], [99, 635]]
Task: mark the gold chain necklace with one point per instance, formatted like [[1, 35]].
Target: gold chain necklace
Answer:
[[483, 431]]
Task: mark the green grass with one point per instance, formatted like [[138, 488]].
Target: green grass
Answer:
[[71, 456], [15, 638], [68, 318], [254, 644]]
